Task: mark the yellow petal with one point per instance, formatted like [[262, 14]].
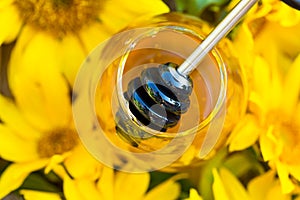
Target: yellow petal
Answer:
[[105, 184], [261, 76], [261, 79], [74, 53], [194, 195], [219, 189], [93, 35], [43, 98], [244, 134], [227, 186], [4, 3], [287, 39], [23, 41], [267, 145], [37, 195], [88, 189], [80, 189], [59, 170], [287, 185], [36, 49], [275, 193], [243, 42], [292, 88], [295, 171], [15, 174], [39, 88], [266, 81], [15, 148], [282, 44], [153, 7], [70, 189], [12, 117], [10, 23], [89, 167], [266, 187], [126, 11], [256, 105], [124, 182], [167, 190], [284, 14], [259, 186], [55, 161], [258, 12]]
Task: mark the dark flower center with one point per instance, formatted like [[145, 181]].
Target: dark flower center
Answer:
[[59, 17], [57, 142]]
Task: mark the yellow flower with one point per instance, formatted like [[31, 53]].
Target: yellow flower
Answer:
[[52, 39], [269, 29], [264, 187], [119, 186], [38, 132], [60, 33], [273, 118]]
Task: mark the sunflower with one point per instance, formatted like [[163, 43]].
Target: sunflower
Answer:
[[34, 141], [52, 38], [64, 31], [272, 57], [57, 148]]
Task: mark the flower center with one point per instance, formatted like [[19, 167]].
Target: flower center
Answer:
[[57, 142], [59, 16]]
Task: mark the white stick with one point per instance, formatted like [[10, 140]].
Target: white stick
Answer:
[[221, 30]]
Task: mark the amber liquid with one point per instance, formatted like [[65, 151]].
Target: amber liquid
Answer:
[[206, 86], [201, 104]]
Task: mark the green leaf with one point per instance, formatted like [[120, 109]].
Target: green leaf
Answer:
[[3, 165], [37, 181], [186, 185], [244, 164], [157, 177], [197, 7]]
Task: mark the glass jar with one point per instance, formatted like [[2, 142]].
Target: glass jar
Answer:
[[112, 131]]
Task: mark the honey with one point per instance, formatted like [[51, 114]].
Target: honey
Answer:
[[217, 101]]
